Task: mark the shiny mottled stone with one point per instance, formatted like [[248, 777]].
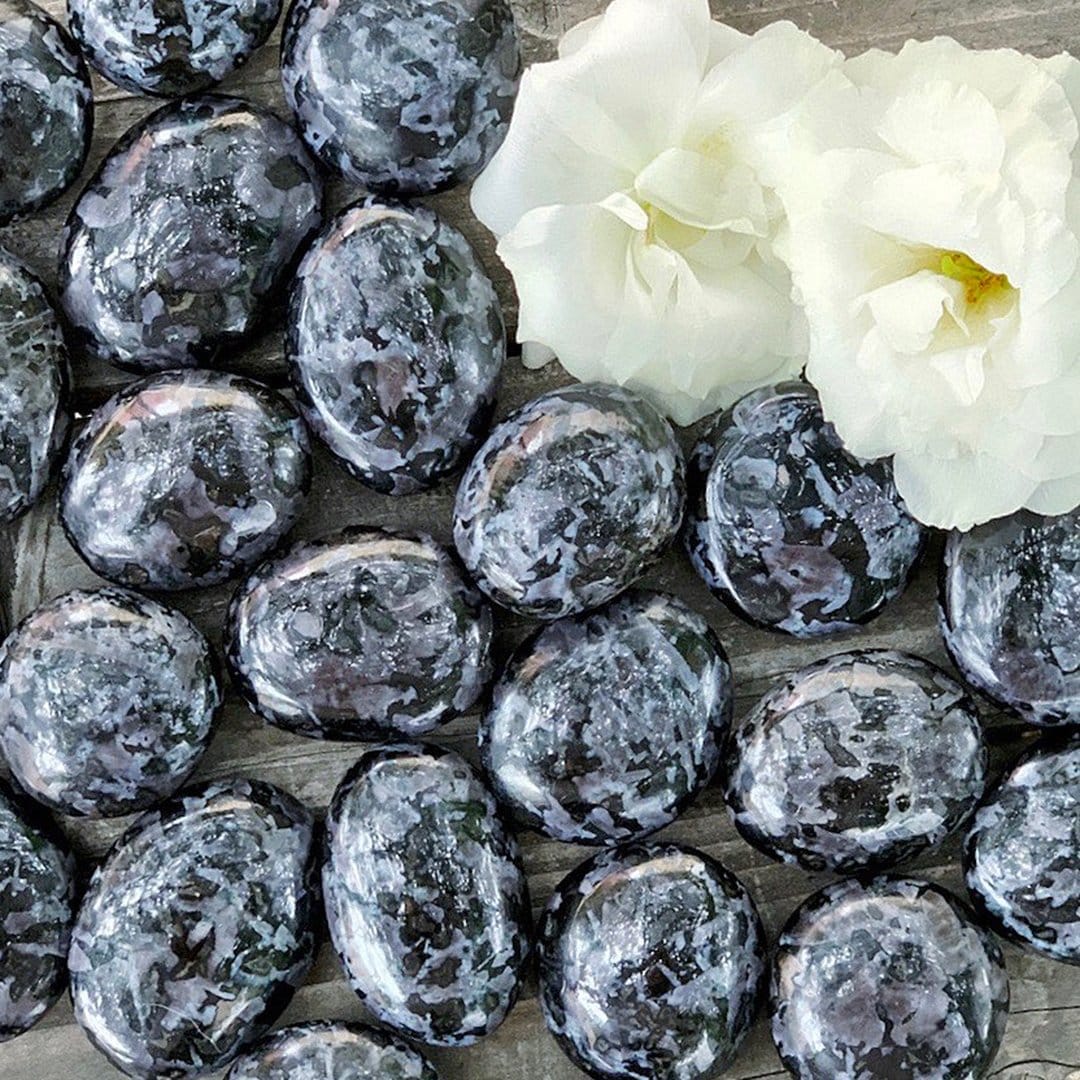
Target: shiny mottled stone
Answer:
[[185, 232], [106, 702], [1010, 613], [37, 908], [395, 342], [331, 1050], [651, 964], [196, 930], [46, 109], [1022, 857], [859, 761], [366, 634], [425, 895], [185, 478], [33, 380], [786, 527], [570, 500], [403, 97], [605, 726], [887, 978]]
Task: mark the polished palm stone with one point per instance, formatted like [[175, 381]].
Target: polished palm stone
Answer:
[[605, 726], [364, 635], [1010, 613], [106, 702], [196, 930], [1023, 851], [46, 109], [328, 1050], [395, 342], [401, 96], [789, 529], [859, 761], [184, 479], [33, 379], [651, 964], [425, 895], [185, 232], [37, 901], [570, 500]]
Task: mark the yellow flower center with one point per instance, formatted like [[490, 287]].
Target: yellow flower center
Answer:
[[980, 284]]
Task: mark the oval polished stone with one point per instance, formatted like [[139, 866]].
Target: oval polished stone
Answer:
[[425, 895], [33, 381], [196, 929], [184, 479], [185, 232], [1009, 613], [106, 702], [605, 726], [395, 341], [859, 761], [37, 899], [651, 964], [366, 634], [46, 109], [1023, 851], [887, 978], [786, 527], [570, 500], [403, 97]]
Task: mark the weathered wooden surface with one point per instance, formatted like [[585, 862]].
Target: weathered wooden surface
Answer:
[[36, 563]]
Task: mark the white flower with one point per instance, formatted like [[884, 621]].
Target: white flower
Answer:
[[933, 240], [633, 200]]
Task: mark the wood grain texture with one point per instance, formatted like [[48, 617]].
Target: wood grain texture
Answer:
[[36, 563]]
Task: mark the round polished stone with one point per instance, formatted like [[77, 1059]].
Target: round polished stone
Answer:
[[364, 635], [651, 964], [106, 702], [33, 379], [46, 109], [401, 96], [185, 232], [887, 978], [786, 527], [395, 341], [859, 761], [585, 764], [1023, 851], [570, 500], [425, 896], [1010, 613], [196, 930], [184, 479]]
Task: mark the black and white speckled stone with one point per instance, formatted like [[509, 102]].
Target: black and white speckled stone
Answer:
[[185, 478], [196, 930], [651, 964], [330, 1050], [786, 527], [403, 97], [37, 904], [425, 895], [368, 634], [395, 341], [46, 109], [570, 500], [185, 232], [1010, 613], [857, 762], [168, 48], [1022, 856], [605, 726], [106, 702], [33, 381]]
